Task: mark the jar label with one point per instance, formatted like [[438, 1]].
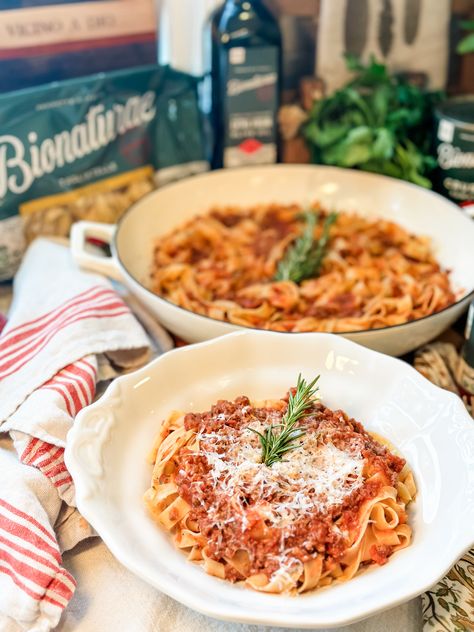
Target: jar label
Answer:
[[455, 154]]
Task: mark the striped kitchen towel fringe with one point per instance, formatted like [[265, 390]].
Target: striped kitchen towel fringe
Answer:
[[61, 326]]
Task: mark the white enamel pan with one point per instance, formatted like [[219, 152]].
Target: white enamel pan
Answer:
[[418, 210]]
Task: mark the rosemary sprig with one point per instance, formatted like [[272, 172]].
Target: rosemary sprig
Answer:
[[304, 258], [297, 254], [278, 439]]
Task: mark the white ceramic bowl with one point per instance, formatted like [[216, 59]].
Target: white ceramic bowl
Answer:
[[107, 447], [418, 210]]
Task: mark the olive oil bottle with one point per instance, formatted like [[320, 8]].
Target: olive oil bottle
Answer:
[[245, 76]]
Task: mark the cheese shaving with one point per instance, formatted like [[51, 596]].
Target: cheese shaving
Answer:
[[315, 476]]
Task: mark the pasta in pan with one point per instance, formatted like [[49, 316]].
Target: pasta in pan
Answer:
[[223, 265], [335, 503]]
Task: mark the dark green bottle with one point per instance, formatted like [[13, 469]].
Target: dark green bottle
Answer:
[[245, 75]]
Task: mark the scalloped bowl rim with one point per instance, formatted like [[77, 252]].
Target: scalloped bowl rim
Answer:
[[347, 610]]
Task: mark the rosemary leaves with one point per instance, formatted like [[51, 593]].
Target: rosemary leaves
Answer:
[[279, 439], [304, 258]]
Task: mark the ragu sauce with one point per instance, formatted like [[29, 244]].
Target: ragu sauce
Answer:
[[310, 500]]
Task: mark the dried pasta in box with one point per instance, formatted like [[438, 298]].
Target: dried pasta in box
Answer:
[[89, 148]]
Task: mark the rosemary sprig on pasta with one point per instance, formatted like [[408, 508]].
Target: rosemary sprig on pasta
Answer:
[[304, 258], [279, 439]]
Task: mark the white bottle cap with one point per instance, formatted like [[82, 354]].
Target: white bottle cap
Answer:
[[181, 34]]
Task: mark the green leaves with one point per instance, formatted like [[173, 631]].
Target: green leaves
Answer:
[[353, 150], [279, 439], [378, 122], [361, 145], [384, 144], [304, 258], [466, 45], [373, 73]]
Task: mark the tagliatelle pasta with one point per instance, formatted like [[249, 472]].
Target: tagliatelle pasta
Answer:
[[336, 502], [222, 265]]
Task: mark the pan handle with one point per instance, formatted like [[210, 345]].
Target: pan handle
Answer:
[[85, 259]]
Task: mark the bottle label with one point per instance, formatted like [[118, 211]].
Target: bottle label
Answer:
[[251, 106]]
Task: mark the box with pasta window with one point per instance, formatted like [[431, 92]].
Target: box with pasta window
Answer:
[[88, 148]]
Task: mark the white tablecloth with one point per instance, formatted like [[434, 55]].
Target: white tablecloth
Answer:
[[109, 598]]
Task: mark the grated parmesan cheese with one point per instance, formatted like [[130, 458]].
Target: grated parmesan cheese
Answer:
[[316, 475], [291, 512]]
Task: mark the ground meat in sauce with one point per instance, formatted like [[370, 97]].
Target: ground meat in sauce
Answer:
[[366, 262], [311, 532], [380, 553]]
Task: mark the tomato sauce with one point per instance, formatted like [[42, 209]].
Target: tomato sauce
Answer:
[[234, 518]]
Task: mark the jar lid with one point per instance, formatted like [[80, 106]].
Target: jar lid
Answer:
[[459, 110]]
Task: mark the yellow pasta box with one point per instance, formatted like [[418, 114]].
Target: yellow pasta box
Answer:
[[88, 148]]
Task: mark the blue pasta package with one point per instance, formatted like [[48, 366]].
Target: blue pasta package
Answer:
[[88, 148]]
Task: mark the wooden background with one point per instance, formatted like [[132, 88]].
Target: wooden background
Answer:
[[461, 77]]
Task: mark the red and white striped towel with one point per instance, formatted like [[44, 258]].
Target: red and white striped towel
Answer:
[[61, 319]]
